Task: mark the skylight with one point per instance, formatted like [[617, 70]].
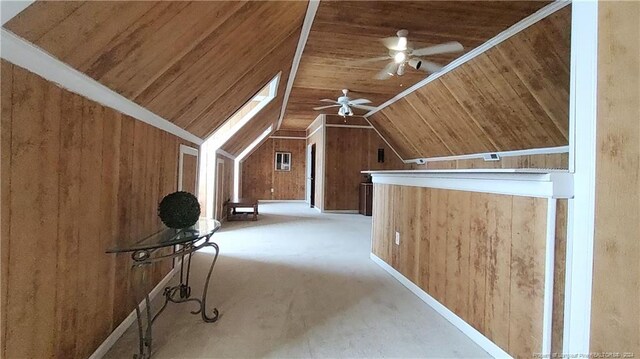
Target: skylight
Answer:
[[230, 127], [244, 114]]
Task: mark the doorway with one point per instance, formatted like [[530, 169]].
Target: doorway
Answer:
[[311, 177], [188, 169]]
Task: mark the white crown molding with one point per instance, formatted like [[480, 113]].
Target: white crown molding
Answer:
[[9, 9], [504, 35], [24, 54], [348, 126], [287, 138], [226, 154], [312, 8]]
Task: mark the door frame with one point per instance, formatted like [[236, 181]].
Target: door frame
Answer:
[[216, 187], [186, 150]]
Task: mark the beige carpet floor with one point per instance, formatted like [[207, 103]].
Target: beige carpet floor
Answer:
[[300, 284]]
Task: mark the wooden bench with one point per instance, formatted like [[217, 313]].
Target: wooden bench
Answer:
[[234, 214]]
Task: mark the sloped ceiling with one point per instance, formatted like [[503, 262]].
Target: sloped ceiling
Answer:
[[514, 96], [192, 63], [268, 116], [344, 31]]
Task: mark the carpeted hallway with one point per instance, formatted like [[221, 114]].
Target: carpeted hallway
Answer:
[[298, 283]]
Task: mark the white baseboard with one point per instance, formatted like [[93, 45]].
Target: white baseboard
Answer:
[[317, 209], [484, 342], [129, 320], [343, 211]]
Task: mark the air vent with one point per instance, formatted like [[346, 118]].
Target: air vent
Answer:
[[491, 157]]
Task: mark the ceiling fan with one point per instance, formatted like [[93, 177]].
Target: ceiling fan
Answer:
[[345, 104], [402, 53]]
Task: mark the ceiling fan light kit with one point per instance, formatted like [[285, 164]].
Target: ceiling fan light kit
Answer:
[[402, 53], [345, 103]]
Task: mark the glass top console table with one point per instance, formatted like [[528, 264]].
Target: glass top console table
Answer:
[[149, 250]]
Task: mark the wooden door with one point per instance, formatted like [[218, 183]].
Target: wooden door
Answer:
[[188, 169]]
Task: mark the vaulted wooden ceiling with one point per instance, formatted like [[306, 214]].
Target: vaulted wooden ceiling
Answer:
[[344, 31], [514, 96], [192, 63]]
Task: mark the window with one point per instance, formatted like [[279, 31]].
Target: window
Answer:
[[283, 161]]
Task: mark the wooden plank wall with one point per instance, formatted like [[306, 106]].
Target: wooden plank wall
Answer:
[[557, 160], [348, 152], [259, 175], [77, 177], [514, 96], [615, 313], [166, 56], [481, 255]]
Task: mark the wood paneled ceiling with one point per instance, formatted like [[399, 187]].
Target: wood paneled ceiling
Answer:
[[344, 31], [192, 63], [514, 96], [268, 116]]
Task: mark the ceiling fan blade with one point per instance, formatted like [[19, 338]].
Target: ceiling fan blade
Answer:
[[324, 107], [388, 71], [367, 61], [363, 107], [327, 100], [445, 48], [429, 66], [360, 101]]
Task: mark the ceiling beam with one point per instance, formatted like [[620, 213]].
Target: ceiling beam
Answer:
[[304, 35]]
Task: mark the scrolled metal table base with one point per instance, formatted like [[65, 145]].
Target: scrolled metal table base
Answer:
[[180, 293]]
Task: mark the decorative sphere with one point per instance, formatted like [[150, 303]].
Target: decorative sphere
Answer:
[[179, 210]]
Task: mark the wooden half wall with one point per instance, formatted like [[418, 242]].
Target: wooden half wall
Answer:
[[514, 96], [77, 178], [480, 255]]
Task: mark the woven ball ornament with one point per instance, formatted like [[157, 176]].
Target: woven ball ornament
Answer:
[[179, 210]]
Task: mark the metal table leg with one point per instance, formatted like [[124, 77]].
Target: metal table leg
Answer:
[[180, 293], [142, 317]]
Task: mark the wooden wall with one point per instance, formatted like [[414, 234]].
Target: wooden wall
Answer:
[[615, 313], [557, 160], [166, 56], [77, 177], [348, 152], [481, 255], [259, 175], [514, 96]]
